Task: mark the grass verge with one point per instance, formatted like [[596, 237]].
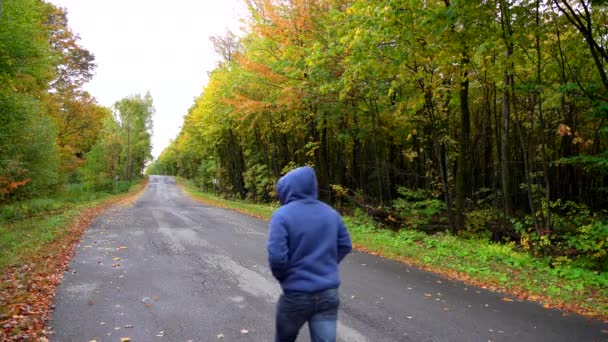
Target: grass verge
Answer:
[[34, 254], [493, 266], [261, 211]]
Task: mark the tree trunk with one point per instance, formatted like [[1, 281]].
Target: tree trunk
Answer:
[[463, 155]]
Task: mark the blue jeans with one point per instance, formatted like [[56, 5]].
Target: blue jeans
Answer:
[[319, 309]]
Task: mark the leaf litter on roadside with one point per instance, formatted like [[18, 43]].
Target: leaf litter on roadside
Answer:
[[27, 291]]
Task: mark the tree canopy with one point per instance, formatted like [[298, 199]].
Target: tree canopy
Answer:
[[48, 123], [498, 106]]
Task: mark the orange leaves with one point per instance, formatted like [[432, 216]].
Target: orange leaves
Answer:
[[6, 186], [27, 292], [273, 78], [288, 23]]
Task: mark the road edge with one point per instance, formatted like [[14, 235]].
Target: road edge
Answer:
[[521, 294], [34, 283]]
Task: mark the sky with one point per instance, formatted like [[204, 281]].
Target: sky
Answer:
[[153, 45]]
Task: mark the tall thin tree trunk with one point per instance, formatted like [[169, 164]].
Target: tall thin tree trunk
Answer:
[[506, 110], [524, 150], [543, 128], [463, 155], [128, 166]]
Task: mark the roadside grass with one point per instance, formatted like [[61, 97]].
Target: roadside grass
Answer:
[[26, 228], [494, 266], [261, 211], [36, 245], [489, 265]]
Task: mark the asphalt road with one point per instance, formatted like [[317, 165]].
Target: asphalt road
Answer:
[[171, 269]]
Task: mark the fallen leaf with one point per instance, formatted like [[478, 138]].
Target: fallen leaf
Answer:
[[129, 326], [505, 299], [91, 302], [115, 265], [428, 295], [93, 341], [117, 258], [125, 339], [220, 335], [149, 305], [244, 331]]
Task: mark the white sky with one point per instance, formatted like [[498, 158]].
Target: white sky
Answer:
[[160, 46]]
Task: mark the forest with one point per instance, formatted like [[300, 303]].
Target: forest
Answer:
[[54, 136], [479, 118]]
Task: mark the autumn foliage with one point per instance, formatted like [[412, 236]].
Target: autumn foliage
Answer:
[[495, 109]]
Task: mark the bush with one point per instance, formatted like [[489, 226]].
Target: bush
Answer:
[[207, 171], [479, 223], [417, 208], [591, 242], [577, 237], [259, 183]]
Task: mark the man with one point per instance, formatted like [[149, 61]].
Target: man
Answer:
[[306, 242]]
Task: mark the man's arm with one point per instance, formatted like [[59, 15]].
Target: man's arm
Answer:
[[344, 243], [278, 253]]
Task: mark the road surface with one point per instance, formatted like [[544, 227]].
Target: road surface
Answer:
[[171, 269]]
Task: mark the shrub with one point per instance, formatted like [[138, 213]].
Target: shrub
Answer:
[[577, 237], [479, 223], [417, 208], [259, 183]]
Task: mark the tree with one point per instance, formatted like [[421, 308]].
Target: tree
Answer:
[[28, 162], [134, 115]]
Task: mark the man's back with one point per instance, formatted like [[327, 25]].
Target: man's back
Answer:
[[307, 238]]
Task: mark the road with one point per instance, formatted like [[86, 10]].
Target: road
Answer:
[[171, 269]]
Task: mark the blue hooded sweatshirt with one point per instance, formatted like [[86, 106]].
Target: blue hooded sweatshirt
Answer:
[[307, 238]]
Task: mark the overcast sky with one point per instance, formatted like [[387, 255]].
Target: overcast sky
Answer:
[[160, 46]]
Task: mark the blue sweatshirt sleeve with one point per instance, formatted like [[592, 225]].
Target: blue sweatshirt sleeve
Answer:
[[278, 254], [344, 243]]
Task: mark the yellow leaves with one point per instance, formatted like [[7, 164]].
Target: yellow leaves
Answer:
[[125, 339], [410, 155], [563, 130]]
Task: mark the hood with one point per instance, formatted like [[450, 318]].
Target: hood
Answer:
[[297, 184]]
